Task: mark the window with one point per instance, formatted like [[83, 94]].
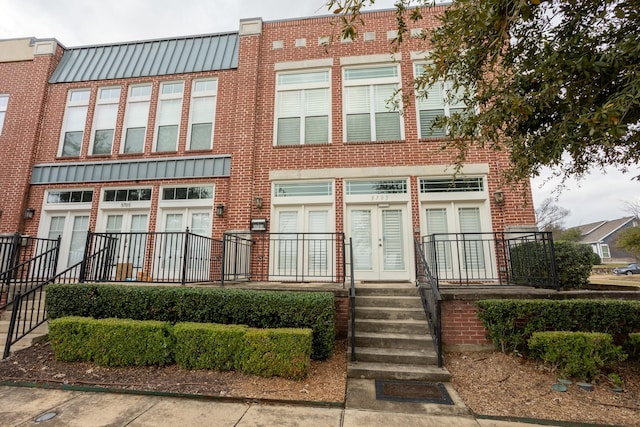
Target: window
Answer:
[[136, 118], [393, 186], [168, 117], [438, 100], [302, 108], [80, 196], [4, 101], [75, 117], [187, 193], [305, 189], [127, 195], [605, 251], [104, 120], [446, 185], [369, 115], [202, 114]]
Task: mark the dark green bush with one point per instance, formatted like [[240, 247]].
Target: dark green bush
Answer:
[[259, 309], [633, 346], [510, 323], [280, 352], [210, 346], [579, 355], [112, 342], [531, 264]]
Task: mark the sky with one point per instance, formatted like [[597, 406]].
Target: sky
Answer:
[[599, 196]]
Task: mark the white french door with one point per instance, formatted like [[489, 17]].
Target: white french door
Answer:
[[174, 223], [380, 242], [131, 246], [458, 247], [303, 249], [72, 227]]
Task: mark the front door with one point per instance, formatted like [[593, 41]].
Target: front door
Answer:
[[379, 237], [72, 227], [174, 224], [130, 230]]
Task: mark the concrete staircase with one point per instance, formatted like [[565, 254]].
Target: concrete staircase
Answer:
[[37, 335], [392, 335]]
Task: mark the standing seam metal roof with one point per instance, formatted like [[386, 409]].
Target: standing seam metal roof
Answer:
[[148, 58]]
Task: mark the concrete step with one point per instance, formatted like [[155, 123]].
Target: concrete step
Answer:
[[6, 315], [389, 301], [395, 356], [389, 313], [393, 340], [407, 291], [402, 326], [393, 371], [37, 335]]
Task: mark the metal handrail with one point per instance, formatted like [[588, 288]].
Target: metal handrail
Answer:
[[431, 299], [352, 302]]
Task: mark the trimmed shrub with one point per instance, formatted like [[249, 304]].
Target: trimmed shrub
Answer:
[[633, 346], [209, 346], [258, 309], [279, 352], [579, 355], [574, 262], [112, 342], [510, 323]]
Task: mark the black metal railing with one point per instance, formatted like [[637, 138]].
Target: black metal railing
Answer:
[[23, 290], [159, 257], [352, 302], [524, 258], [294, 257], [431, 299]]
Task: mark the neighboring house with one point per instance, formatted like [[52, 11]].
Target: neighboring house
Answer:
[[273, 122], [602, 237]]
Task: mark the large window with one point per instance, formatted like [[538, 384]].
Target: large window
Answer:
[[438, 100], [303, 102], [168, 116], [4, 101], [136, 118], [202, 114], [75, 116], [369, 97], [104, 120]]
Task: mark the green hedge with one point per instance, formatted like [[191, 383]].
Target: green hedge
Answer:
[[510, 323], [633, 346], [258, 309], [531, 263], [209, 346], [579, 355], [112, 342], [281, 352], [124, 342]]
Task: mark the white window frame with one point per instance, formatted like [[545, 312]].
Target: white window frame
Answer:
[[4, 104], [102, 107], [444, 103], [80, 103], [196, 95], [605, 248], [133, 100], [371, 83], [163, 98], [302, 89]]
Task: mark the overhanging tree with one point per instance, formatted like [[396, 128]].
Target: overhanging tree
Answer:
[[554, 83]]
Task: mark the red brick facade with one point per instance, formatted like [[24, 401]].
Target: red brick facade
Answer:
[[461, 328], [244, 130]]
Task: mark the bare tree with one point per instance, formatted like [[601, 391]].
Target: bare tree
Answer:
[[632, 208], [550, 216]]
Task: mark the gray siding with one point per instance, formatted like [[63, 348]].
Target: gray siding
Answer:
[[164, 168], [148, 58]]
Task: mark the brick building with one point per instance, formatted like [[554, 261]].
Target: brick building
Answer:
[[277, 122]]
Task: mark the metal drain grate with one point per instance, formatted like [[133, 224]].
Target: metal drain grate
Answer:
[[412, 391]]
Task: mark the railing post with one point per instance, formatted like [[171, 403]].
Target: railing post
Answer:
[[83, 266], [183, 281], [223, 258], [17, 300]]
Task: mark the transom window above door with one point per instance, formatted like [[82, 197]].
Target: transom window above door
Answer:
[[372, 104], [303, 104]]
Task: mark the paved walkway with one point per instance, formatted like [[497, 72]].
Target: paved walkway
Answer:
[[22, 406]]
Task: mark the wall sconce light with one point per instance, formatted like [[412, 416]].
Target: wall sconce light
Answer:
[[498, 197], [220, 210], [29, 213], [258, 202]]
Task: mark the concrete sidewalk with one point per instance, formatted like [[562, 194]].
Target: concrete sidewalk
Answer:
[[22, 406]]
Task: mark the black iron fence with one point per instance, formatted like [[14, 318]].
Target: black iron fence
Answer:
[[291, 257], [523, 258], [430, 296]]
